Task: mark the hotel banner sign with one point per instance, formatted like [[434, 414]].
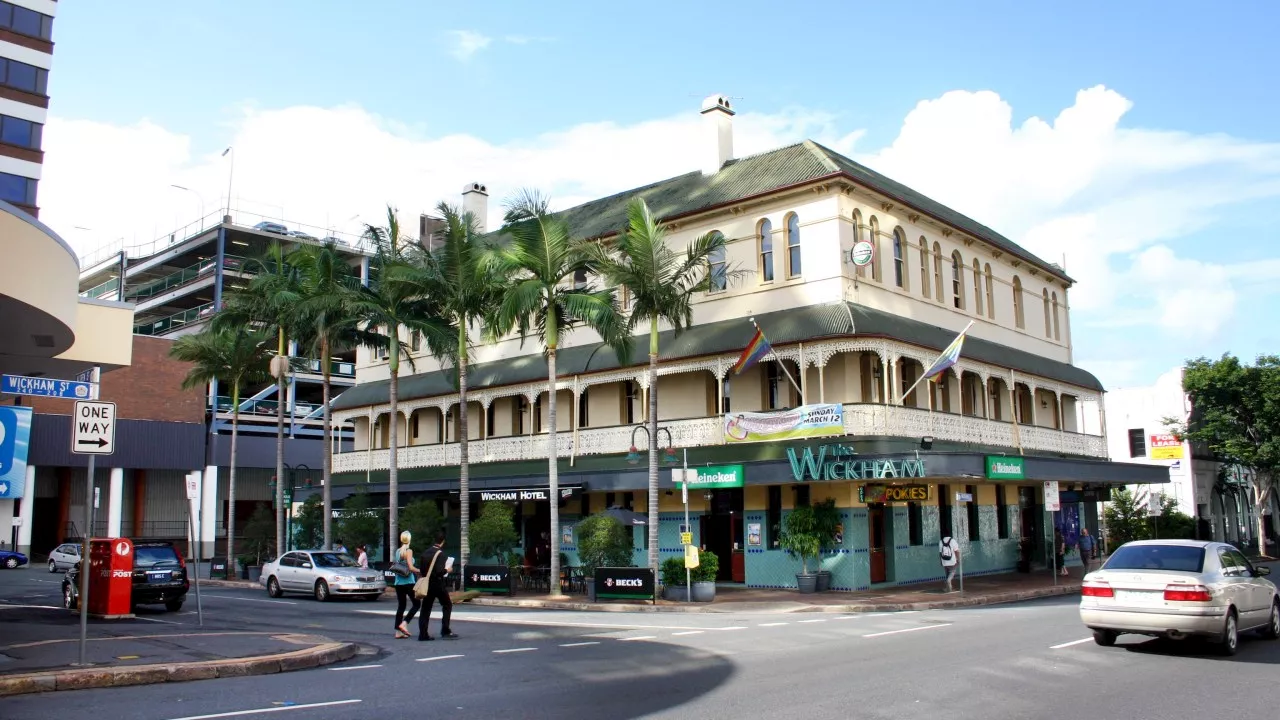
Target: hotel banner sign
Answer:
[[533, 494], [1165, 447], [806, 421]]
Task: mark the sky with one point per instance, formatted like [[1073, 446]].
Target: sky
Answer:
[[1137, 142]]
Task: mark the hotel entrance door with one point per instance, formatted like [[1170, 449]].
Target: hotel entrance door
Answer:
[[877, 532]]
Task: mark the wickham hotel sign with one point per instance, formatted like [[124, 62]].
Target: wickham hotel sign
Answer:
[[840, 462]]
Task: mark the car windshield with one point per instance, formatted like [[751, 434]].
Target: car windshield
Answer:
[[151, 556], [333, 560], [1175, 558]]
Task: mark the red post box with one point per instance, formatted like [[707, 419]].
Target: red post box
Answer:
[[110, 577]]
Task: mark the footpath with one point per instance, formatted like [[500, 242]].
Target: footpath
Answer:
[[41, 649]]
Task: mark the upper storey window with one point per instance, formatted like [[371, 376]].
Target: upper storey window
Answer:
[[764, 238], [716, 268], [21, 76], [26, 22], [957, 280], [924, 268], [1018, 319], [793, 245], [899, 259]]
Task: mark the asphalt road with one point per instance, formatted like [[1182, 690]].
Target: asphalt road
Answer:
[[1030, 660]]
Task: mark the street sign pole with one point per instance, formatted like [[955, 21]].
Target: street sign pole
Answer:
[[84, 561], [684, 492], [93, 433], [193, 493]]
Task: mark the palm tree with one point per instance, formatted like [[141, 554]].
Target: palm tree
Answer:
[[381, 309], [662, 285], [328, 323], [546, 291], [235, 357], [269, 303], [456, 277]]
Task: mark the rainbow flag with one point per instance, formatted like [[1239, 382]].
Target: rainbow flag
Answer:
[[948, 357], [753, 352]]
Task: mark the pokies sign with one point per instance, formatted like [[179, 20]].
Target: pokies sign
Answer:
[[841, 462], [893, 493]]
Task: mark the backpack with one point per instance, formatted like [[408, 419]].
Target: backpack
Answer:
[[946, 548]]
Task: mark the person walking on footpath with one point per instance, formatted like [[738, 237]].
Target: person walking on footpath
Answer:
[[1087, 547], [949, 553], [1059, 551], [437, 570], [404, 587]]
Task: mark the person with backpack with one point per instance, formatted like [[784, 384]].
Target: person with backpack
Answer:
[[949, 554]]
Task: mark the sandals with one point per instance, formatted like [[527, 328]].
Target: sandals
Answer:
[[401, 632]]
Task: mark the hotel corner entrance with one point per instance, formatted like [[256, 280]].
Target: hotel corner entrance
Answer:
[[879, 531], [721, 528]]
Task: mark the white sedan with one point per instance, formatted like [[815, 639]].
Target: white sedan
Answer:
[[1177, 589], [321, 573]]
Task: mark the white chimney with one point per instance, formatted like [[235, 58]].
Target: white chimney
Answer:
[[475, 200], [717, 116]]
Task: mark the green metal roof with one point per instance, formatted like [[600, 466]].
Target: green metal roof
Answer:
[[768, 172], [727, 336]]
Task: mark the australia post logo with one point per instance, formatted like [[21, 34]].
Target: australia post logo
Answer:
[[122, 548]]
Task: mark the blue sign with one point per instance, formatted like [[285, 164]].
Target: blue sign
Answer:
[[15, 439], [45, 387]]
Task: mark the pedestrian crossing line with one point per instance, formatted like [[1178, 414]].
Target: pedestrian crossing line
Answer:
[[846, 617], [580, 644], [906, 630], [355, 667], [812, 621], [642, 637], [688, 632], [733, 627], [1069, 644], [774, 624], [514, 650], [438, 657]]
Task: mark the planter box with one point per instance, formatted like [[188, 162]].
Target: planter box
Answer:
[[824, 580], [704, 591], [807, 583], [253, 572], [675, 593]]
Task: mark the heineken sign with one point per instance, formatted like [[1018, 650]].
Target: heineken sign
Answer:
[[840, 462], [707, 478], [1000, 467]]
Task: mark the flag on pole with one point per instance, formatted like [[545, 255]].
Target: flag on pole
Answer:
[[948, 357], [753, 352]]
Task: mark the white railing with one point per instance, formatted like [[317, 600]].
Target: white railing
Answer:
[[702, 432]]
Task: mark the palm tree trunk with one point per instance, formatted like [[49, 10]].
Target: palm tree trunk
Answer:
[[553, 466], [393, 478], [280, 458], [231, 482], [327, 462], [653, 498], [464, 450]]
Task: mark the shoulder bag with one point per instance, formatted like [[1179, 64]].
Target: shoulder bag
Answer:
[[422, 588], [399, 568]]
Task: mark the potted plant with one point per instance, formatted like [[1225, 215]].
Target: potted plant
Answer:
[[259, 541], [704, 577], [827, 518], [673, 579], [602, 542], [800, 537]]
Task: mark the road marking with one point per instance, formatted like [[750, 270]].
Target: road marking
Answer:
[[514, 650], [810, 621], [906, 630], [1069, 644], [257, 600], [732, 627], [552, 623], [439, 657], [151, 619], [773, 624], [688, 632], [580, 644], [356, 667], [642, 637], [282, 708], [847, 617]]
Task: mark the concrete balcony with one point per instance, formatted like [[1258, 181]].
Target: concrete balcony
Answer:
[[868, 420]]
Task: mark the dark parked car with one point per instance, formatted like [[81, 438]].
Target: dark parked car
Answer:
[[159, 576]]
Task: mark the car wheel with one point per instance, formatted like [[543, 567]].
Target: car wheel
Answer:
[[1230, 641], [273, 587], [1272, 630], [322, 591], [68, 598], [173, 605], [53, 566], [1105, 638], [11, 563]]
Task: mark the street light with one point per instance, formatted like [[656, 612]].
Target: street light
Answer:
[[230, 174], [668, 453], [198, 197]]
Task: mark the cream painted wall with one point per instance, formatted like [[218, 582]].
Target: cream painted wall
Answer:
[[54, 289], [604, 405], [686, 395], [565, 410], [104, 334]]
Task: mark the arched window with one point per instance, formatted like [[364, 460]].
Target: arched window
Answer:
[[899, 259], [957, 280], [793, 245], [716, 268], [1057, 329], [1048, 323], [873, 236], [861, 270], [1018, 320], [764, 238], [991, 294], [977, 288], [924, 268], [937, 272]]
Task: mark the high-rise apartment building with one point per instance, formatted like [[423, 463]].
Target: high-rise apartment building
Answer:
[[26, 54]]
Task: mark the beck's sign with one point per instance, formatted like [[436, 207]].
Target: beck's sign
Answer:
[[625, 583], [495, 579]]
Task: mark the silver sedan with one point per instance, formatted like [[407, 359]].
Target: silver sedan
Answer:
[[321, 573], [1177, 589]]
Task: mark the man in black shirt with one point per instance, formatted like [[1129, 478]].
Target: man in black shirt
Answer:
[[436, 590]]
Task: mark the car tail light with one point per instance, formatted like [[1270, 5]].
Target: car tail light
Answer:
[[182, 562], [1096, 589], [1186, 593]]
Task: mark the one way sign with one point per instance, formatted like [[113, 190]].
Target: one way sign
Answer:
[[94, 428]]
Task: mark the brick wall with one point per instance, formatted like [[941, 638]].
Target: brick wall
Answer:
[[149, 389]]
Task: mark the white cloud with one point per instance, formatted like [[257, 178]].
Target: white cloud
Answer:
[[467, 43]]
